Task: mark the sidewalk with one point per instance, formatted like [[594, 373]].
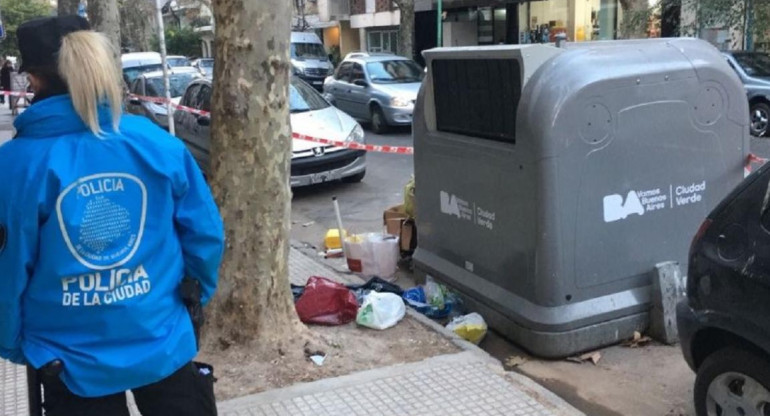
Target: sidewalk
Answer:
[[6, 124], [466, 383]]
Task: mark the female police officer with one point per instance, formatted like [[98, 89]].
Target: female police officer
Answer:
[[102, 216]]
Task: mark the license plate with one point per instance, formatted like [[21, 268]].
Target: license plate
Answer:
[[324, 177], [317, 82]]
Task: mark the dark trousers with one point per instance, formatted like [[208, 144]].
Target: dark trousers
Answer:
[[187, 392]]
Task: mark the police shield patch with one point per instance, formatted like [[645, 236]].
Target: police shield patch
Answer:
[[102, 218]]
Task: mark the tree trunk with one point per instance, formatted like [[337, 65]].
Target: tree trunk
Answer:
[[636, 15], [406, 28], [105, 17], [138, 24], [68, 7], [250, 156]]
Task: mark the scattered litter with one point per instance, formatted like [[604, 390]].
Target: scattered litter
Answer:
[[326, 302], [515, 361], [594, 357], [332, 238], [470, 327], [318, 359], [372, 254], [637, 341], [381, 310], [333, 253], [444, 302], [308, 224]]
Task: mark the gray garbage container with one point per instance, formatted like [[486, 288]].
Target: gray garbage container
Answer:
[[551, 181]]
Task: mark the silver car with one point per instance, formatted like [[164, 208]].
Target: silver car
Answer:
[[151, 84], [376, 88], [311, 163], [753, 68]]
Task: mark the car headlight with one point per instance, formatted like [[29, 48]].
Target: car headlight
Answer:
[[400, 102], [330, 71], [357, 135], [297, 71]]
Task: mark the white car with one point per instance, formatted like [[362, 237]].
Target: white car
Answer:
[[311, 114]]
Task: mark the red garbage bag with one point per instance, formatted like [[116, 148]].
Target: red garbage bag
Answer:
[[326, 302]]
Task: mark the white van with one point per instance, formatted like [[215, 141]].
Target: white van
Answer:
[[309, 59], [137, 63]]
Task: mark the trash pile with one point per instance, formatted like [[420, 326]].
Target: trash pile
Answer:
[[379, 304]]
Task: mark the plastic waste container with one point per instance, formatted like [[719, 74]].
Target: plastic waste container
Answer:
[[553, 180]]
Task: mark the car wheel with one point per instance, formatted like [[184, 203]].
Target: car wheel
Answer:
[[379, 123], [733, 381], [760, 119], [358, 177]]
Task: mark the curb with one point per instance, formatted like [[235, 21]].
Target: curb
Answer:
[[527, 385]]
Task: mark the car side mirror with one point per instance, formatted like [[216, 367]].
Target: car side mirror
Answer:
[[360, 83], [204, 121]]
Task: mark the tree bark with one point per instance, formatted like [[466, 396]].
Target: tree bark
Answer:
[[68, 7], [406, 28], [138, 24], [636, 15], [250, 156], [105, 18]]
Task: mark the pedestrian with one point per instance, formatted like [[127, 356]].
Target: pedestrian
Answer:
[[101, 216], [5, 78]]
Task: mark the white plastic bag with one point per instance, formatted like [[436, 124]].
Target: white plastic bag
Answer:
[[470, 327], [381, 310]]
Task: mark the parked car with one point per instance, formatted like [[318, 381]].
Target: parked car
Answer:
[[376, 88], [151, 84], [753, 68], [204, 65], [311, 163], [137, 63], [177, 61], [724, 323], [309, 59]]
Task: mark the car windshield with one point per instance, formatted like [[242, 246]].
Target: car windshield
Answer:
[[177, 84], [130, 74], [755, 64], [308, 51], [206, 63], [178, 62], [303, 97], [390, 72]]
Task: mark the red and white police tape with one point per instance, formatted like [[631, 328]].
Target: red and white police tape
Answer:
[[402, 150], [750, 159]]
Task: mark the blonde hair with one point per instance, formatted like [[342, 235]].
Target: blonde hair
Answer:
[[87, 65]]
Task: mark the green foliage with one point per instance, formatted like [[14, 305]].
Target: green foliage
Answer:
[[16, 12], [185, 41]]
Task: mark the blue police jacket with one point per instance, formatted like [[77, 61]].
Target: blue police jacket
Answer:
[[96, 234]]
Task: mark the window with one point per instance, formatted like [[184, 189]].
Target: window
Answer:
[[204, 98], [177, 83], [308, 51], [394, 72], [357, 73], [477, 97], [382, 41], [191, 96], [343, 72], [304, 98], [136, 87], [755, 64]]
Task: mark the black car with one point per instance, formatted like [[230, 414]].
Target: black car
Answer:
[[724, 323]]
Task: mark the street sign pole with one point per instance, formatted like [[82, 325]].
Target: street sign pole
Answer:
[[162, 41], [439, 23]]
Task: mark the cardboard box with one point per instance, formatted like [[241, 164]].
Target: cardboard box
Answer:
[[397, 223]]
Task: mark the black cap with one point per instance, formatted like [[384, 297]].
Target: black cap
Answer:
[[40, 39]]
